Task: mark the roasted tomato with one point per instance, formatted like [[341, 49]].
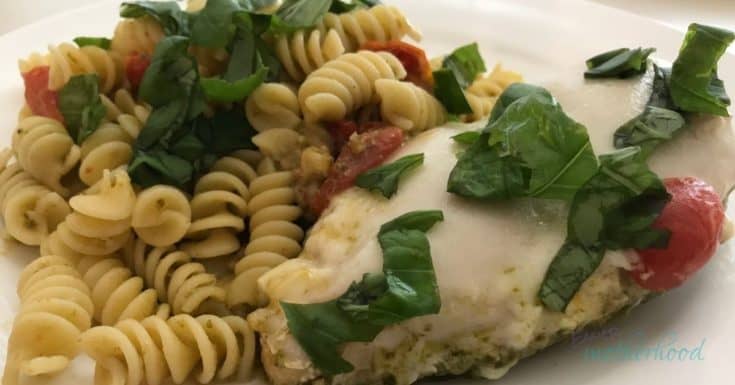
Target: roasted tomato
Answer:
[[41, 100], [362, 153], [342, 130], [695, 218], [135, 66], [413, 58]]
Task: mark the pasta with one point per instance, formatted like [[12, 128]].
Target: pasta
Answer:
[[161, 216], [379, 23], [484, 91], [45, 150], [55, 308], [345, 84], [217, 209], [125, 111], [183, 284], [154, 350], [138, 35], [282, 145], [274, 237], [304, 52], [408, 106], [109, 147], [67, 60], [30, 210], [100, 223], [273, 105]]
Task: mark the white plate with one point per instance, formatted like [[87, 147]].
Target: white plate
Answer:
[[538, 38]]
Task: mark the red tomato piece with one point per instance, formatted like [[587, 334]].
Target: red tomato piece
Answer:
[[363, 153], [135, 66], [695, 218], [41, 100], [413, 58], [340, 131]]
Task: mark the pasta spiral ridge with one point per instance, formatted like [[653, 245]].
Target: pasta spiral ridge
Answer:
[[55, 308], [345, 84], [408, 106], [379, 23], [218, 207], [139, 35], [45, 150], [273, 105], [154, 350], [30, 210], [161, 216], [125, 111], [274, 237], [485, 90], [100, 224], [109, 147], [67, 60], [183, 284], [304, 52]]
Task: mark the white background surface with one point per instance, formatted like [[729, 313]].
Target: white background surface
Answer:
[[676, 13]]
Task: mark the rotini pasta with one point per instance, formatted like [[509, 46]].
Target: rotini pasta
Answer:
[[125, 111], [304, 52], [35, 60], [67, 60], [408, 106], [484, 91], [161, 216], [183, 284], [55, 308], [30, 210], [282, 145], [211, 61], [45, 150], [274, 237], [139, 35], [109, 147], [273, 105], [379, 23], [154, 350], [345, 84]]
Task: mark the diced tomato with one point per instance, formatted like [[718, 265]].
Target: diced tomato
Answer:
[[342, 130], [695, 217], [41, 100], [135, 66], [413, 58], [363, 153]]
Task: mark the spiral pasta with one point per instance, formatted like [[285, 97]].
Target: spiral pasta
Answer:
[[273, 105], [125, 111], [67, 60], [274, 237], [100, 223], [183, 284], [282, 145], [218, 207], [139, 35], [304, 52], [55, 308], [484, 91], [109, 147], [408, 106], [161, 216], [345, 84], [378, 23], [211, 61], [30, 210], [154, 350], [45, 150]]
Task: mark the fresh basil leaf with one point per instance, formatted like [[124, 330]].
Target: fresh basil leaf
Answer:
[[299, 14], [149, 168], [188, 147], [385, 178], [654, 126], [468, 137], [694, 84], [101, 42], [169, 15], [466, 63], [256, 5], [514, 92], [344, 6], [222, 91], [81, 106], [619, 63], [660, 95], [225, 132], [415, 220], [213, 26], [449, 92], [615, 209]]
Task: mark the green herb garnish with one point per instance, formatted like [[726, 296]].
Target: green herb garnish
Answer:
[[653, 127], [101, 42], [299, 14], [620, 63], [81, 106], [385, 178], [169, 15]]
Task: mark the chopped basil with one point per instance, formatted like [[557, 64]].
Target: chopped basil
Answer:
[[466, 63], [615, 209], [619, 63], [344, 6], [385, 178], [212, 26], [149, 168], [256, 5], [514, 92], [694, 84], [654, 126], [532, 150], [101, 42], [299, 14], [450, 93], [468, 137], [244, 74], [406, 288], [660, 95], [225, 132], [81, 106], [169, 15]]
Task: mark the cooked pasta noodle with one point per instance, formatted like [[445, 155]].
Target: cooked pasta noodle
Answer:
[[344, 85], [125, 111], [379, 23], [273, 105], [282, 145], [154, 350], [55, 308], [139, 35], [304, 52], [30, 210], [211, 61], [45, 150], [109, 147], [484, 91], [67, 60], [161, 216], [274, 237], [35, 60], [183, 284], [408, 106]]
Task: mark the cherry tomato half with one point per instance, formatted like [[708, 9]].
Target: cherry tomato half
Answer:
[[135, 66], [40, 99]]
